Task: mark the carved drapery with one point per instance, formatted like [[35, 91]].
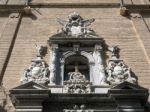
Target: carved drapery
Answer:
[[100, 77]]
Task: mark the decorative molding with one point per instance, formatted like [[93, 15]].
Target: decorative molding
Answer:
[[77, 83], [77, 108], [76, 26], [83, 53]]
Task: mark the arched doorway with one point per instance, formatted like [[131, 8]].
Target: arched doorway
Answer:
[[76, 61]]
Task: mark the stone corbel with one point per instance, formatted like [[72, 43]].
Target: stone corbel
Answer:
[[27, 10], [124, 11]]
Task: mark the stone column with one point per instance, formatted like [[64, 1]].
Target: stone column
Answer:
[[53, 64], [99, 74], [62, 71]]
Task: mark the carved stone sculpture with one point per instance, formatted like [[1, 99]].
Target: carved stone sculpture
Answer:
[[77, 83], [37, 71], [40, 50], [99, 68], [119, 72], [115, 51], [76, 26], [77, 108]]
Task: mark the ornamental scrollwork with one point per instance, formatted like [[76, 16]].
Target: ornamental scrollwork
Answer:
[[76, 26], [38, 71], [117, 70], [77, 83]]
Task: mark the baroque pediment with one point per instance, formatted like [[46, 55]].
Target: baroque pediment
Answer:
[[30, 85], [128, 86]]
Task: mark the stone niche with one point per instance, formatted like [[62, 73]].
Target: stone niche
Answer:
[[85, 53], [76, 46]]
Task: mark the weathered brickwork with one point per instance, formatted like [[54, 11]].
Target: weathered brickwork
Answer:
[[19, 2], [6, 40], [17, 46], [115, 29]]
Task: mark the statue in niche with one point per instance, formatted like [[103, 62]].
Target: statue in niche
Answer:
[[37, 71], [76, 26], [99, 68], [117, 70], [77, 83]]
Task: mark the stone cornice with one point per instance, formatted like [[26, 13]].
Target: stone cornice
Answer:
[[138, 8], [20, 8]]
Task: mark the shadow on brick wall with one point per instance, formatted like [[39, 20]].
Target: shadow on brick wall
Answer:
[[32, 16]]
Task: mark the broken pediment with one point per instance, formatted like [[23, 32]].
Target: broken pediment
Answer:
[[30, 91], [128, 86], [30, 85], [128, 93]]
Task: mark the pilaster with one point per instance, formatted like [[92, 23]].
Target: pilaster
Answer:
[[53, 65]]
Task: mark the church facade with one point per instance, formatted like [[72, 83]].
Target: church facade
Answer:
[[74, 56]]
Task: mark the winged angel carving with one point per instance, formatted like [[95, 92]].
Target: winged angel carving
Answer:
[[76, 26]]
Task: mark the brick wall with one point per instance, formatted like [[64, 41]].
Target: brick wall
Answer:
[[17, 47], [135, 2], [115, 29]]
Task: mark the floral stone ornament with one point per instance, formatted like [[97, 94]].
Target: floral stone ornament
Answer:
[[77, 83]]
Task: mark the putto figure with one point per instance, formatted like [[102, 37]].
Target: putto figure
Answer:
[[76, 26]]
